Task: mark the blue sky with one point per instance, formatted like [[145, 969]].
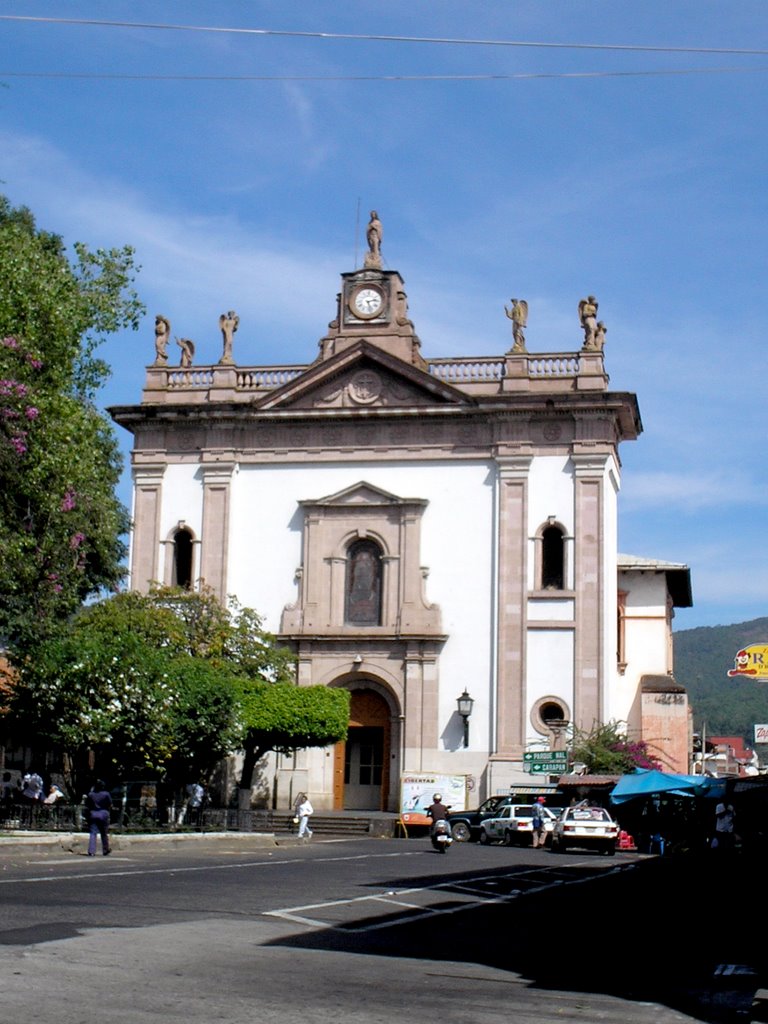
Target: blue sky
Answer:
[[647, 190]]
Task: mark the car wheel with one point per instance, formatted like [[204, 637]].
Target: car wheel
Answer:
[[461, 832], [484, 837], [610, 849], [509, 839]]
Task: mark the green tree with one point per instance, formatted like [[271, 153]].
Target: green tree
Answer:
[[60, 522], [285, 718], [606, 750]]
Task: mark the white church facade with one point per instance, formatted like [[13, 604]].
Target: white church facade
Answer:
[[416, 529]]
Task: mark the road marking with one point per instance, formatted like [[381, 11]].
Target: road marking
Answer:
[[191, 869], [477, 897]]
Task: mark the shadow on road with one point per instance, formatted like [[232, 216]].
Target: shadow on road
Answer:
[[665, 930]]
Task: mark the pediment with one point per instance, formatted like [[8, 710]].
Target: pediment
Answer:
[[361, 495], [363, 376]]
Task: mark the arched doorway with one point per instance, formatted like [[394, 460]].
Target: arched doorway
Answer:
[[361, 769]]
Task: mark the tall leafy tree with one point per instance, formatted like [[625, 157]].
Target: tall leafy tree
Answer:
[[61, 525]]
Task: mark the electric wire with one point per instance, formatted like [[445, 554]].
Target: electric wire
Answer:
[[116, 76], [370, 37]]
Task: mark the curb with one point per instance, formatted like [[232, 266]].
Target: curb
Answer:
[[77, 842]]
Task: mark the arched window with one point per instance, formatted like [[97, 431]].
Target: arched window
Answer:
[[363, 584], [182, 558], [552, 559]]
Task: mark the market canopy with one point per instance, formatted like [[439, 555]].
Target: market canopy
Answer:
[[645, 783]]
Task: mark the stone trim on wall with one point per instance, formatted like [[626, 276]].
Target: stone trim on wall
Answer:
[[145, 538]]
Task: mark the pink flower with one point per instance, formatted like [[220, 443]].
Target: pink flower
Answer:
[[31, 412], [68, 501], [10, 343], [76, 540], [19, 444]]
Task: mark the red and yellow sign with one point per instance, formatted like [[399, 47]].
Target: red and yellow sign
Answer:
[[751, 662]]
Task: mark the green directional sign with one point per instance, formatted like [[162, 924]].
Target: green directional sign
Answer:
[[545, 761]]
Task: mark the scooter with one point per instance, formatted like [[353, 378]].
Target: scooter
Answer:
[[440, 836]]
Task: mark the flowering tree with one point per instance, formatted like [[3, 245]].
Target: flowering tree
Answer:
[[605, 750], [60, 522], [163, 685]]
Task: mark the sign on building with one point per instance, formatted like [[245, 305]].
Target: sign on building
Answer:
[[751, 662], [761, 733], [418, 788], [547, 762]]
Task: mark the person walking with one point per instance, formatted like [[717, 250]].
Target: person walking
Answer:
[[538, 829], [98, 804], [303, 810]]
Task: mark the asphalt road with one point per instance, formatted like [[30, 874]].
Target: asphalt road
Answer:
[[360, 930]]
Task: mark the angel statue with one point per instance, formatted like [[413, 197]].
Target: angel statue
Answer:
[[228, 322], [162, 334], [588, 318], [519, 317], [187, 347]]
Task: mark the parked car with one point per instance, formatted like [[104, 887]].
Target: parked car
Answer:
[[590, 827], [465, 825], [514, 825]]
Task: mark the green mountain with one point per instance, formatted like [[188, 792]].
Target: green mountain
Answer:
[[728, 707]]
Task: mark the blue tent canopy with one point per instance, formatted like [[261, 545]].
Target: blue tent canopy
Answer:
[[645, 783]]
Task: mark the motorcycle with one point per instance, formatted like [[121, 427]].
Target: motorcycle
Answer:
[[440, 836]]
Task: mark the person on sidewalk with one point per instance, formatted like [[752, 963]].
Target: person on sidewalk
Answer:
[[303, 810], [98, 804]]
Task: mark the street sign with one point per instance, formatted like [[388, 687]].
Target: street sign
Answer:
[[545, 761]]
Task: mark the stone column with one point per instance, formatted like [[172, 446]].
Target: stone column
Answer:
[[217, 482], [589, 583], [512, 605], [145, 540]]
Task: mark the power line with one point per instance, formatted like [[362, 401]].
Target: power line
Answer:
[[112, 76], [360, 37]]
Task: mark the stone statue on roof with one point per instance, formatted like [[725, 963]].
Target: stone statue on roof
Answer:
[[518, 314], [588, 318], [162, 334], [228, 322], [187, 347], [374, 235]]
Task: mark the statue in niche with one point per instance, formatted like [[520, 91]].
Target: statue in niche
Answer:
[[187, 347], [518, 314], [588, 318], [373, 234], [162, 334], [228, 322]]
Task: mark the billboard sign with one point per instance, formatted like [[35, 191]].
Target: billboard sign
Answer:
[[418, 788], [751, 662], [761, 733]]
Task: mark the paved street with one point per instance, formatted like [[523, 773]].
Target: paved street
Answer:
[[357, 930]]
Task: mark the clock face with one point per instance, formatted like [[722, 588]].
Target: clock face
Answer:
[[367, 302]]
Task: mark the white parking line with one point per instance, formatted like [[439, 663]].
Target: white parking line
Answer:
[[478, 897]]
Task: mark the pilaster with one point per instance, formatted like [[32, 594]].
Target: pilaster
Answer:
[[145, 542], [511, 611], [589, 485], [217, 482]]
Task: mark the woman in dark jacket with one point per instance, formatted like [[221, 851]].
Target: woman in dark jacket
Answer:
[[98, 804]]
